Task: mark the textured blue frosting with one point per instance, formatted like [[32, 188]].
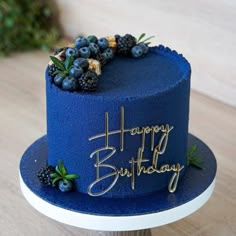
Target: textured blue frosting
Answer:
[[154, 90]]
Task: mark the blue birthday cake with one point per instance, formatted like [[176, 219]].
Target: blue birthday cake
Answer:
[[117, 117]]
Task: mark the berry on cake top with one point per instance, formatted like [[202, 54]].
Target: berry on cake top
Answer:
[[78, 67]]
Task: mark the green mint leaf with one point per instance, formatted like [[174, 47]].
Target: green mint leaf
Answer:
[[63, 74], [141, 36], [55, 180], [145, 40], [59, 64], [56, 72], [58, 171], [192, 150], [54, 175], [62, 168], [71, 176], [195, 164], [69, 62], [194, 160]]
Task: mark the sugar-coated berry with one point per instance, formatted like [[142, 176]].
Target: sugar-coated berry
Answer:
[[76, 72], [81, 62], [71, 52], [69, 84], [144, 47], [137, 51], [94, 48], [108, 53], [92, 39], [102, 43], [58, 79], [84, 52], [65, 186], [81, 42]]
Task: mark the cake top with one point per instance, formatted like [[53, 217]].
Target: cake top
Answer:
[[116, 67], [160, 70]]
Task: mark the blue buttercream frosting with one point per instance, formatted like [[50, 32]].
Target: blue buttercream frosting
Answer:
[[153, 90]]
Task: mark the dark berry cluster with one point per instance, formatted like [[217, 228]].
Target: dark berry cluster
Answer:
[[77, 68], [57, 177], [44, 175]]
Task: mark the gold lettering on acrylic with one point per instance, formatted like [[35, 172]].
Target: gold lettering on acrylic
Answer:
[[136, 164]]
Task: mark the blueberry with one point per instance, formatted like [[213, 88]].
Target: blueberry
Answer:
[[81, 42], [108, 53], [103, 43], [137, 51], [69, 84], [92, 39], [58, 79], [76, 52], [65, 186], [94, 48], [81, 62], [144, 47], [71, 52], [76, 72], [84, 52]]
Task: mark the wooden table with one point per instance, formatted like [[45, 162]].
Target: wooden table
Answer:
[[23, 120]]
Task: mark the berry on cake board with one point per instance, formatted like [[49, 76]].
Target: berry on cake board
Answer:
[[44, 175], [78, 67], [57, 177]]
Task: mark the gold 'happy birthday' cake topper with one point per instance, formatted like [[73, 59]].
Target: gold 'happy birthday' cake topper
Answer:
[[131, 173]]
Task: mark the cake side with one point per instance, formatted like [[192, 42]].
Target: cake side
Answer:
[[153, 92]]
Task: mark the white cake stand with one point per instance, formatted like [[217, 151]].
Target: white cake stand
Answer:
[[116, 223]]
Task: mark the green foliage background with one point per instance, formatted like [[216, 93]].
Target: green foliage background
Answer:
[[27, 24]]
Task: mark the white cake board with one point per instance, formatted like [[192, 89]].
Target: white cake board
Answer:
[[116, 223]]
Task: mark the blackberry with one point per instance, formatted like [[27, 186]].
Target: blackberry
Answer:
[[88, 81], [44, 175], [124, 44], [101, 58], [117, 36], [52, 69]]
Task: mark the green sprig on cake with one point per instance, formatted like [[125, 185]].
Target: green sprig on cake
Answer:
[[79, 66], [193, 159], [57, 176]]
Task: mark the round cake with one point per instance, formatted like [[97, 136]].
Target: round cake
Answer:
[[129, 137]]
